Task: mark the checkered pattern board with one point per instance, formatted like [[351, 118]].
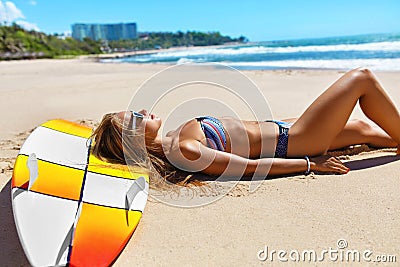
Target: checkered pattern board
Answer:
[[79, 211]]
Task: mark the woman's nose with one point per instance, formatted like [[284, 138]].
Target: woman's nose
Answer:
[[143, 111]]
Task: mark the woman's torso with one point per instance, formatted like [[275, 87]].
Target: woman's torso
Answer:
[[249, 139]]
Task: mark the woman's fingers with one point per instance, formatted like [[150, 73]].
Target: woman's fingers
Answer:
[[329, 164], [339, 166]]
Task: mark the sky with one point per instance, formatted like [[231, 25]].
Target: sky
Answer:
[[258, 20]]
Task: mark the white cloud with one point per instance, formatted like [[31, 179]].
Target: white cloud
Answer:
[[27, 25], [33, 3], [9, 12]]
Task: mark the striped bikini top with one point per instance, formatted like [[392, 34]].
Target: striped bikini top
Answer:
[[214, 132]]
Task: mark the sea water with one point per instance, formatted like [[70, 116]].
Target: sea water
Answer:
[[376, 51]]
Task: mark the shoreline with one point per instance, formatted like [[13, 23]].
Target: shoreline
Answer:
[[116, 55], [269, 69], [276, 215]]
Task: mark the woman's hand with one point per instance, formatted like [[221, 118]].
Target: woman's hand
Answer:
[[328, 164]]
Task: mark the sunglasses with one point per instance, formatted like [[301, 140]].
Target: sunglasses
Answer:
[[136, 118]]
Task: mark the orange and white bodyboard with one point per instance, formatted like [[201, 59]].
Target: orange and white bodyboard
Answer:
[[69, 207]]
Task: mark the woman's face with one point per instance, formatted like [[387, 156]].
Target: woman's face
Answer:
[[150, 122]]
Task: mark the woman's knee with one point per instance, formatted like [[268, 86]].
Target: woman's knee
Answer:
[[362, 74], [363, 70], [360, 80]]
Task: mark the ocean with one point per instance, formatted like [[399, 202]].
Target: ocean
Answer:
[[379, 52]]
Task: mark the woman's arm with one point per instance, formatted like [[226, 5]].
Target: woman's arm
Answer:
[[195, 157], [321, 164]]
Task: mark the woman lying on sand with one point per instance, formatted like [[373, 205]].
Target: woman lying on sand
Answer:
[[216, 146]]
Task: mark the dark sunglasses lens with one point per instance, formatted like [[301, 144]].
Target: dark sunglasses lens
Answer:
[[137, 114]]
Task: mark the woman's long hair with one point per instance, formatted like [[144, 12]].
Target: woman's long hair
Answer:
[[115, 143]]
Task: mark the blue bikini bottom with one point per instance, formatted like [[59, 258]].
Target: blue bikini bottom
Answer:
[[283, 138]]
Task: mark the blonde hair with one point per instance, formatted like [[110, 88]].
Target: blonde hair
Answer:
[[112, 142]]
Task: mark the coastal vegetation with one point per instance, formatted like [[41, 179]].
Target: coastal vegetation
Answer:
[[18, 43], [169, 39]]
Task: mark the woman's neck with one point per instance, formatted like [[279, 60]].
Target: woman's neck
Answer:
[[160, 145]]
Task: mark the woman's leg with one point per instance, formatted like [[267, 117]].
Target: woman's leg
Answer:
[[316, 129], [357, 132]]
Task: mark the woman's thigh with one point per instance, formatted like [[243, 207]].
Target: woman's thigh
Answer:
[[315, 130]]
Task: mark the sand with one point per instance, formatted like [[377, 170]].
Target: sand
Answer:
[[288, 213]]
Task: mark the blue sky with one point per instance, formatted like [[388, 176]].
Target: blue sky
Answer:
[[259, 20]]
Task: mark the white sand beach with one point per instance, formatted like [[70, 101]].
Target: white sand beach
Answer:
[[294, 212]]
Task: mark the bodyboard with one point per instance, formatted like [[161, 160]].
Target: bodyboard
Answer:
[[70, 208]]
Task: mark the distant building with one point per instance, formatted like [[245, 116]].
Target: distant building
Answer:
[[109, 32]]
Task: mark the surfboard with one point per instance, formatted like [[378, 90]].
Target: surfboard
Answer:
[[70, 208]]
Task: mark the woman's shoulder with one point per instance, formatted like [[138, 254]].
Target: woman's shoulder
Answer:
[[188, 149]]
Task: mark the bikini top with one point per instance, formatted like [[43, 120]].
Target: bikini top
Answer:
[[214, 132]]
